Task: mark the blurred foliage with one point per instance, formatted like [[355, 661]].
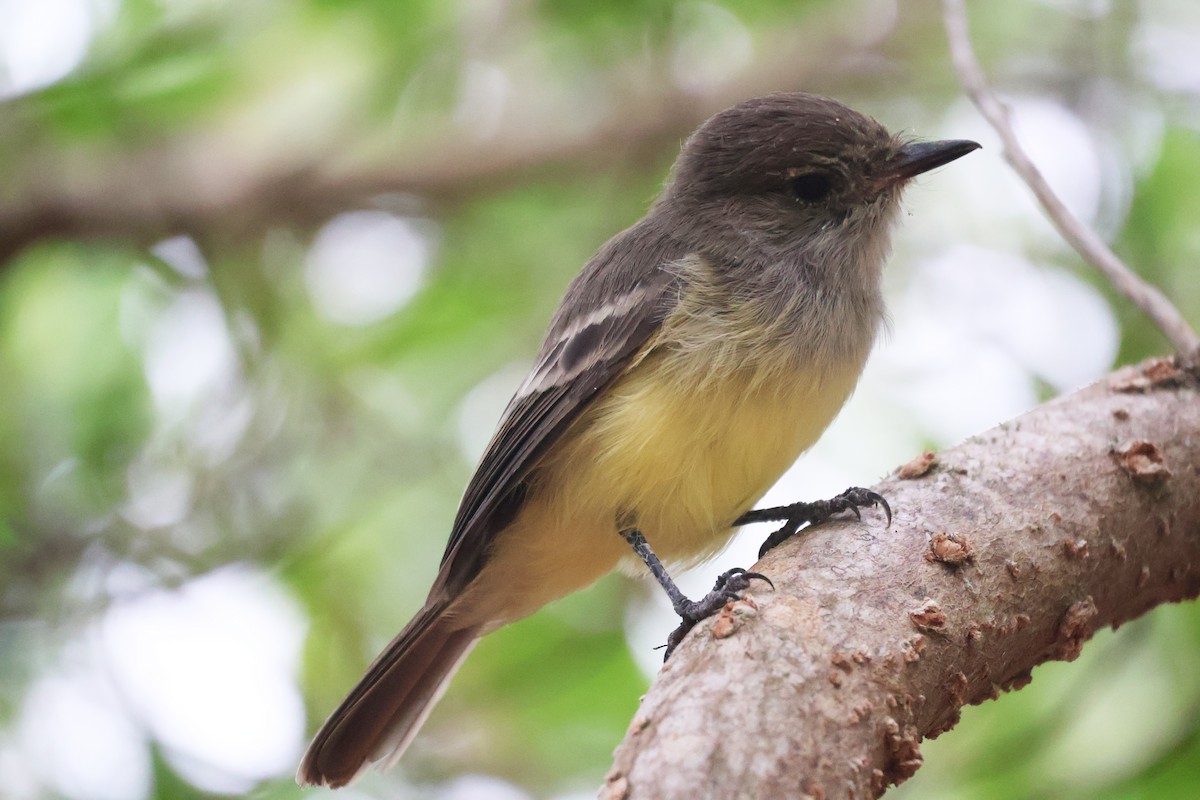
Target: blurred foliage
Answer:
[[167, 415]]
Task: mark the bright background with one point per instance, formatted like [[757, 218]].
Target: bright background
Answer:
[[271, 268]]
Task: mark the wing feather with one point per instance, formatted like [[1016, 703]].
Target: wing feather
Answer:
[[611, 314]]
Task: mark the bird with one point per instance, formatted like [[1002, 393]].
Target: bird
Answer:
[[693, 359]]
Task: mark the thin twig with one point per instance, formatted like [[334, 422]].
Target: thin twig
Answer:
[[1086, 241]]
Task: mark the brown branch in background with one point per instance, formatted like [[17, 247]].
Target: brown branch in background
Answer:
[[1087, 242], [1006, 551], [146, 196]]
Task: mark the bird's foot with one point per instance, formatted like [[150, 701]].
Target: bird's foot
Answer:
[[729, 586], [798, 515]]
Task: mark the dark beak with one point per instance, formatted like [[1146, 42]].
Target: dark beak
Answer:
[[919, 157]]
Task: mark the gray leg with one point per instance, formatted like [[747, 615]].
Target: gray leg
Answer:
[[728, 586]]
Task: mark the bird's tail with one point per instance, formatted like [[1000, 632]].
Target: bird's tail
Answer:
[[382, 714]]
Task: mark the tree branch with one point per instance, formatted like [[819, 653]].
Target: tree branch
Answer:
[[1008, 552], [185, 188], [1086, 242]]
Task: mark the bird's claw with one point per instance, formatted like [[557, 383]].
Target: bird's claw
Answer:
[[798, 515], [729, 586]]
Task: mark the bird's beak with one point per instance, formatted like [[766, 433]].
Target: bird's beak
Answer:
[[918, 157]]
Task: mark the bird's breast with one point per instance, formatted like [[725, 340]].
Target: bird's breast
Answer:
[[674, 448], [682, 450]]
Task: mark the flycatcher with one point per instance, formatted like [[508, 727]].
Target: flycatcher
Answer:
[[692, 360]]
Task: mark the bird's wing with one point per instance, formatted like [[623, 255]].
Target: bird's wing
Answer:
[[608, 320]]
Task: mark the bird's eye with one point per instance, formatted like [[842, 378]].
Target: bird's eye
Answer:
[[810, 187]]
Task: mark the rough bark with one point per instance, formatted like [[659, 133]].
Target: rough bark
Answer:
[[1006, 551]]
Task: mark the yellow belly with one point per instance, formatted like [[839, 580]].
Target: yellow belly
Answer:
[[676, 452]]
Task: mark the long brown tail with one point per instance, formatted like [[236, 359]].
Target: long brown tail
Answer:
[[383, 712]]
